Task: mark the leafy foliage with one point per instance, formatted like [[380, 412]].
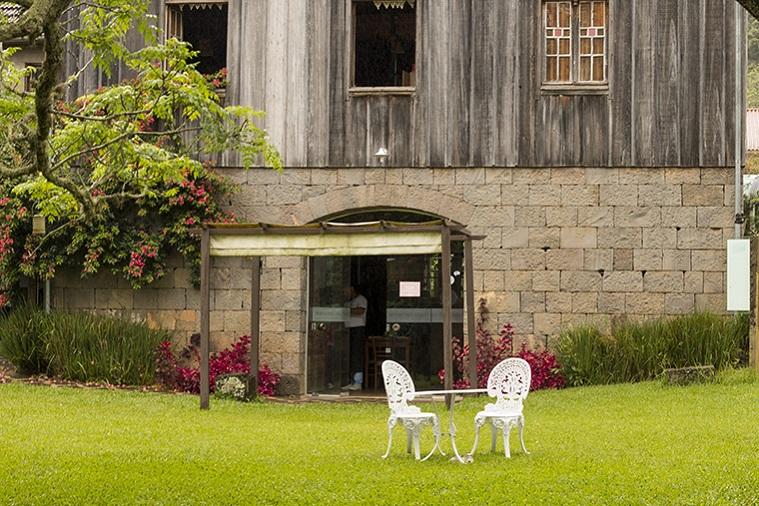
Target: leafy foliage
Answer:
[[79, 346], [641, 351]]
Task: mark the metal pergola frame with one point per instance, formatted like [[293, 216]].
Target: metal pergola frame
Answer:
[[449, 232]]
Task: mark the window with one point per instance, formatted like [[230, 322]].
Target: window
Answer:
[[384, 33], [204, 27], [575, 41]]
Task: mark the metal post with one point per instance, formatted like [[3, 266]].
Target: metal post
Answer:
[[205, 316], [470, 325], [740, 112], [255, 325], [47, 296], [445, 261]]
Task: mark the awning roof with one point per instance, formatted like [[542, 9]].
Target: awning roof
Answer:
[[330, 239]]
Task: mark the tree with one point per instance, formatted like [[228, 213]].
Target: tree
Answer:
[[752, 6], [99, 166]]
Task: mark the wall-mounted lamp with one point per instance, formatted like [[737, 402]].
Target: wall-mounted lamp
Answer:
[[38, 224], [381, 155]]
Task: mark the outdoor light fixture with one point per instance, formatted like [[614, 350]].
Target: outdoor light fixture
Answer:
[[381, 155], [38, 224]]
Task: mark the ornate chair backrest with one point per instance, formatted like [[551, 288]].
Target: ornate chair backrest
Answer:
[[509, 383], [399, 386]]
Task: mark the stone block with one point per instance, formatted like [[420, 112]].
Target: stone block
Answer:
[[518, 280], [295, 321], [515, 237], [611, 303], [295, 175], [291, 262], [595, 216], [676, 260], [394, 176], [531, 216], [703, 195], [492, 259], [718, 175], [281, 299], [493, 216], [578, 237], [171, 298], [541, 237], [564, 259], [558, 302], [644, 303], [599, 260], [568, 175], [561, 216], [618, 195], [713, 282], [699, 239], [659, 238], [693, 282], [713, 302], [544, 195], [528, 259], [188, 320], [546, 324], [546, 281], [237, 322], [623, 259], [444, 176], [637, 216], [230, 300], [293, 279], [647, 259], [272, 320], [682, 175], [580, 281], [619, 237], [679, 303], [280, 342], [145, 298], [531, 176], [664, 282], [271, 278], [280, 194], [523, 323], [114, 298], [351, 176], [514, 194], [623, 281], [417, 176], [503, 302], [470, 176], [580, 195], [641, 175], [659, 195], [79, 298], [291, 381], [482, 194], [602, 176], [493, 280], [165, 320], [678, 217], [374, 176], [532, 302], [715, 217], [498, 176], [585, 302]]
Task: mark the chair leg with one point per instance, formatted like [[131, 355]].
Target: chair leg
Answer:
[[506, 433], [478, 423], [390, 425], [436, 432], [409, 439], [521, 435], [493, 437], [417, 453]]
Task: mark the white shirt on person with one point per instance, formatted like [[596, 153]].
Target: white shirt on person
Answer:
[[357, 320]]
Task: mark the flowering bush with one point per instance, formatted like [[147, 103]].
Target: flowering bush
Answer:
[[493, 349], [14, 224], [231, 387], [173, 374], [218, 80]]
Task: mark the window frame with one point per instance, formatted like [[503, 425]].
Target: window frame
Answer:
[[358, 91], [574, 86]]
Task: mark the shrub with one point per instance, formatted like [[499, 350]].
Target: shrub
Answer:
[[172, 373], [641, 351], [493, 349], [79, 346]]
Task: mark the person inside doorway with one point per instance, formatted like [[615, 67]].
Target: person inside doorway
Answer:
[[356, 324]]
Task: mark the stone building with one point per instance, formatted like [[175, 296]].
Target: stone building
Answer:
[[591, 142]]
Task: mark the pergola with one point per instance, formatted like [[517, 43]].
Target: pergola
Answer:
[[333, 239]]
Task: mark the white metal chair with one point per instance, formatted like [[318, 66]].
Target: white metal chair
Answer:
[[509, 383], [399, 388]]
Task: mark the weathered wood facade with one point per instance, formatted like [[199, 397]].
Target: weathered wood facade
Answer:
[[478, 100]]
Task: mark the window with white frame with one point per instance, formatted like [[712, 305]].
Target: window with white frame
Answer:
[[204, 26], [575, 42]]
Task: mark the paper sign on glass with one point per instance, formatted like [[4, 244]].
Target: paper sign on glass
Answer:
[[410, 289]]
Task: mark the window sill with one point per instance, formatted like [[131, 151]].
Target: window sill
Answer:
[[361, 91], [574, 89]]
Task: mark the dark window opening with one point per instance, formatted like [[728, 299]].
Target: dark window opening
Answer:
[[385, 44], [205, 29]]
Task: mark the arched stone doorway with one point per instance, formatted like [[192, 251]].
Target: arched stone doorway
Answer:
[[403, 297]]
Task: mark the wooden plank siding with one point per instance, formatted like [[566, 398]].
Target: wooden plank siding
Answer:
[[478, 99]]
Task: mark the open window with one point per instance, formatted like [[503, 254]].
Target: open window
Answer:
[[204, 26], [384, 44]]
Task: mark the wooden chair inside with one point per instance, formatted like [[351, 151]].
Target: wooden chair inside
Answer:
[[381, 348]]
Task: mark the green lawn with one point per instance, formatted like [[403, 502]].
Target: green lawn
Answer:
[[631, 444]]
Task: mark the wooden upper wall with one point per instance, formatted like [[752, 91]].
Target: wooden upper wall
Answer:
[[478, 99]]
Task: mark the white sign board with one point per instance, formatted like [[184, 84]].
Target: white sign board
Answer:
[[738, 275], [410, 289]]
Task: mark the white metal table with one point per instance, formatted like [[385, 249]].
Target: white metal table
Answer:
[[452, 427]]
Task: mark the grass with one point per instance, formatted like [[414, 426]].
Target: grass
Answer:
[[632, 444]]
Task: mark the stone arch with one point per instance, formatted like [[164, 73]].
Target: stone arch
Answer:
[[378, 196]]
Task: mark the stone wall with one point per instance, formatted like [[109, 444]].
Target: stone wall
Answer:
[[563, 246]]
